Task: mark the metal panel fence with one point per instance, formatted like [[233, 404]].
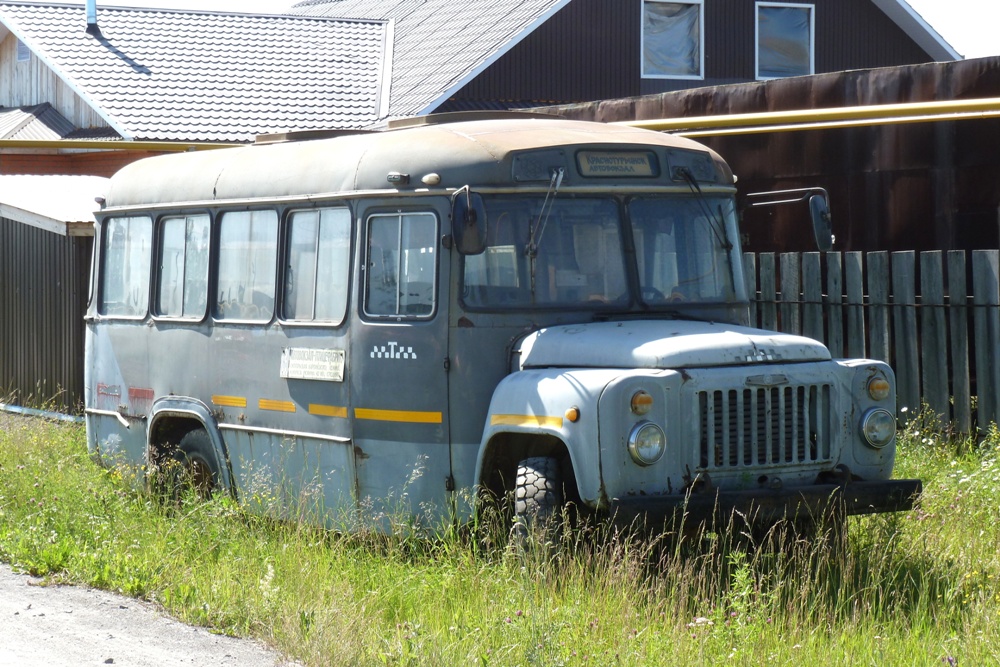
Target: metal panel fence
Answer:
[[933, 316], [43, 295]]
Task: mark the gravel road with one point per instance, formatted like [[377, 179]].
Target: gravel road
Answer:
[[52, 626]]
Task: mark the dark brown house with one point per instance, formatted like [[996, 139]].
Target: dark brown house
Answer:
[[500, 53]]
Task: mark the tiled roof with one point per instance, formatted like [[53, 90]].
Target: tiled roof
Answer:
[[440, 45], [208, 76]]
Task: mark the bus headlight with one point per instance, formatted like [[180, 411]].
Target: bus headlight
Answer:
[[646, 443], [879, 427]]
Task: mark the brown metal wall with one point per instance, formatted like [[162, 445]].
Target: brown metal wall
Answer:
[[590, 50], [43, 294], [923, 186]]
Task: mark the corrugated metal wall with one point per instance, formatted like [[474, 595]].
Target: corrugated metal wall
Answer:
[[590, 50], [920, 186], [43, 294]]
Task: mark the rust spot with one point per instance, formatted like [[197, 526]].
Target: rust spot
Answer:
[[360, 453]]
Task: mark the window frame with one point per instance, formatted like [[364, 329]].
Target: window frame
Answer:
[[365, 293], [286, 254], [215, 272], [158, 272], [812, 36], [700, 75], [102, 279]]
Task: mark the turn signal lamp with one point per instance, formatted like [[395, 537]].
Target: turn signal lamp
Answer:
[[642, 402], [878, 388]]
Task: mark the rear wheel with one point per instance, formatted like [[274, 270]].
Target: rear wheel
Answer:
[[538, 498], [191, 465]]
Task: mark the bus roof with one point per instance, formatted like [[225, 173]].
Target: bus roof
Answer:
[[480, 153]]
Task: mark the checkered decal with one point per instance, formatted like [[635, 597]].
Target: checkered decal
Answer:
[[393, 351]]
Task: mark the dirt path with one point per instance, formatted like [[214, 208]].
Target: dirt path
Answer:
[[49, 626]]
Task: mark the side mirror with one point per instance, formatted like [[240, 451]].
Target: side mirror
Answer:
[[468, 215], [819, 211]]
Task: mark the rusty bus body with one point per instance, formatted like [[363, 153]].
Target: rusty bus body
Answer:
[[382, 323]]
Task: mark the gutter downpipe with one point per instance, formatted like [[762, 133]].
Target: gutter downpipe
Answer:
[[92, 27]]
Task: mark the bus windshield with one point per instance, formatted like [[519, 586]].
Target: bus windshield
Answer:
[[569, 252]]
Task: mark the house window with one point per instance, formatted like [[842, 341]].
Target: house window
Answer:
[[23, 52], [672, 44], [785, 36]]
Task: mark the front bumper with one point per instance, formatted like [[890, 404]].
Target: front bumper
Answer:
[[760, 506]]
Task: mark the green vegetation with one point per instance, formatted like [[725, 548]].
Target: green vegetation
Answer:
[[919, 588]]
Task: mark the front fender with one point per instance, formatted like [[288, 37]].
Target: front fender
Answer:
[[535, 402]]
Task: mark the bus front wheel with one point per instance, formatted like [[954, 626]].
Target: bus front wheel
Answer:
[[538, 497]]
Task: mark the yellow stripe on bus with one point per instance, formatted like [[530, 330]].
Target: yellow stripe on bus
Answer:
[[230, 401], [327, 410], [275, 406], [526, 420], [398, 416]]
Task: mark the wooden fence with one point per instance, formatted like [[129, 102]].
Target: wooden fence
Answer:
[[933, 316]]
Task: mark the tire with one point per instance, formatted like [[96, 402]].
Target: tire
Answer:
[[538, 498], [192, 466]]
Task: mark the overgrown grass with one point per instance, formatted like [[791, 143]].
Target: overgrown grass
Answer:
[[918, 588]]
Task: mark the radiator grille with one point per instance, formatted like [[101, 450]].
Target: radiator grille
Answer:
[[749, 427]]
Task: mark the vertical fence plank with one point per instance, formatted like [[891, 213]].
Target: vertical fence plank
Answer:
[[812, 297], [791, 288], [958, 316], [750, 279], [985, 269], [878, 316], [768, 292], [933, 338], [834, 305], [904, 326], [854, 280]]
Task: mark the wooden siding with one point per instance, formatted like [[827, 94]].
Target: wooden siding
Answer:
[[33, 82], [43, 293], [590, 50]]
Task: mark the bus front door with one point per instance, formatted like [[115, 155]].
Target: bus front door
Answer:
[[399, 368]]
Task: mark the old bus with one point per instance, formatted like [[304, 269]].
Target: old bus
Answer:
[[541, 309]]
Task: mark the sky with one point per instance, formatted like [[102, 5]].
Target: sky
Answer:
[[970, 26]]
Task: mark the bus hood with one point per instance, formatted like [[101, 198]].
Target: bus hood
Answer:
[[662, 344]]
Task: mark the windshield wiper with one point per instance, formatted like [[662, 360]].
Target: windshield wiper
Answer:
[[715, 220], [536, 230]]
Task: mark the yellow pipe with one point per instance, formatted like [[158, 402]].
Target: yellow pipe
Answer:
[[918, 111], [833, 125], [117, 145]]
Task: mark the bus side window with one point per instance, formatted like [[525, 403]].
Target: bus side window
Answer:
[[183, 286], [402, 265], [248, 245], [318, 265], [125, 266]]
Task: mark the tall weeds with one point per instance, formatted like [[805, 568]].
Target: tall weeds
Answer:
[[911, 588]]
